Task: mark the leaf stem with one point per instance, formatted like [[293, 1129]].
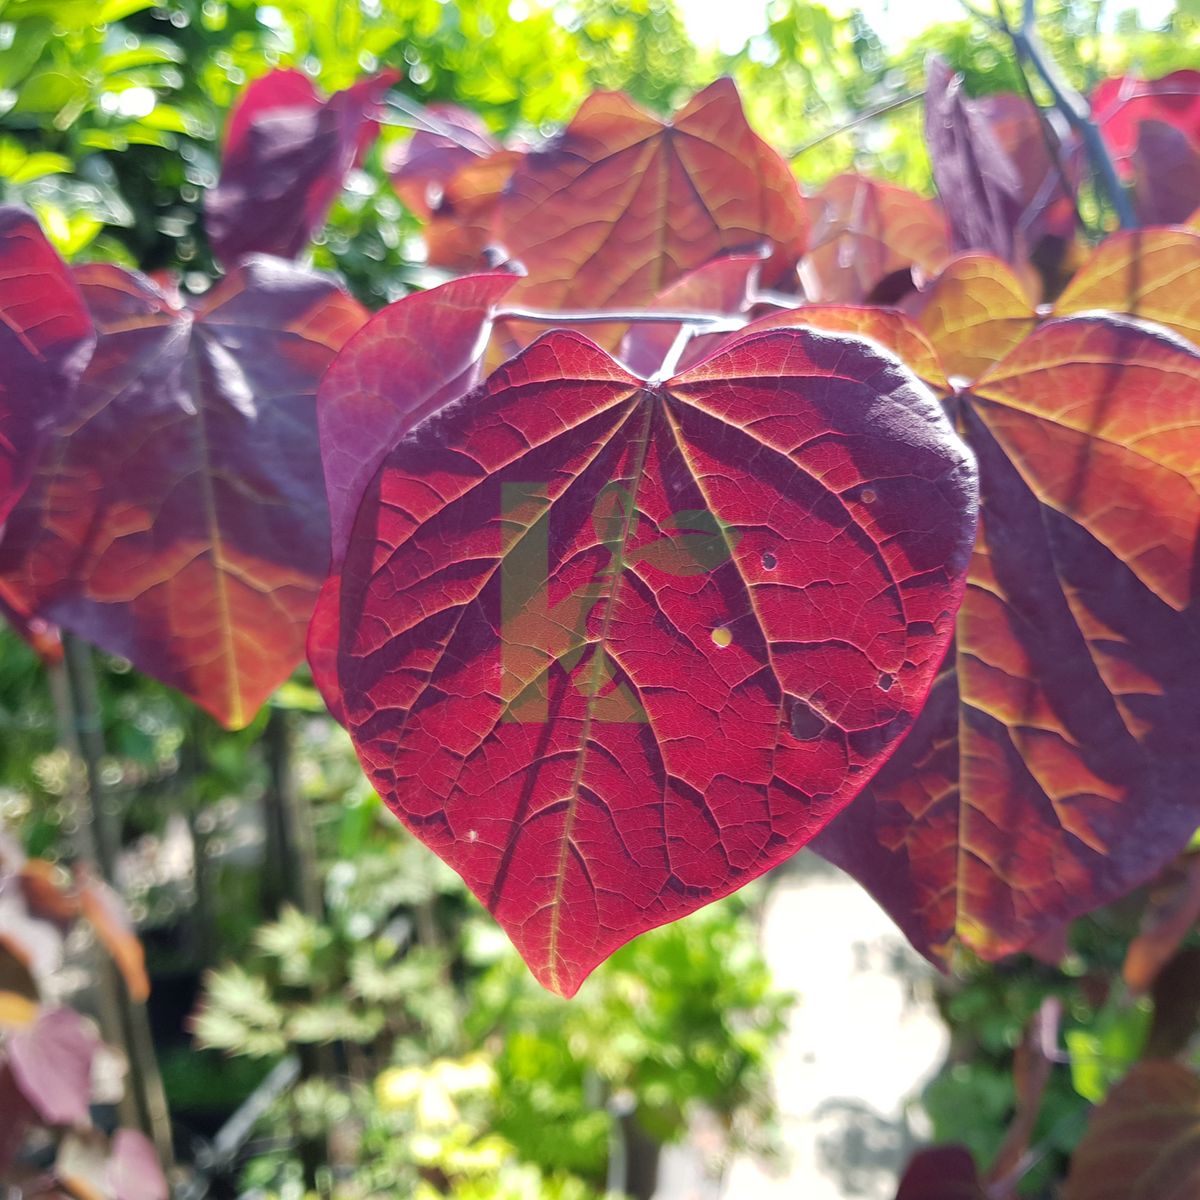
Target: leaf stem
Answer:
[[871, 113], [76, 695], [418, 117], [712, 322]]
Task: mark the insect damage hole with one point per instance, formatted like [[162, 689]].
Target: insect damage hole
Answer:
[[721, 637], [885, 681], [769, 561]]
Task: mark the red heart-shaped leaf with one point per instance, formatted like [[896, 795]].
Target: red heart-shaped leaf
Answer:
[[615, 649]]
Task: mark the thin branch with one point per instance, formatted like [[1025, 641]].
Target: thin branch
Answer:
[[775, 299], [861, 119], [418, 117], [1074, 109], [710, 322], [1049, 139], [670, 362]]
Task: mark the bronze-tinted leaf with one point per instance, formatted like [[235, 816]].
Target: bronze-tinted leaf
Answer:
[[892, 330], [621, 204], [1064, 777], [462, 224], [105, 911], [421, 167], [181, 522], [866, 231], [1143, 1142], [974, 313], [1148, 273]]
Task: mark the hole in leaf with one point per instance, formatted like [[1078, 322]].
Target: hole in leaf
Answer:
[[769, 561], [886, 681], [721, 637], [805, 723]]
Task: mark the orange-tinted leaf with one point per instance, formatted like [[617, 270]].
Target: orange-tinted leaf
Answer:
[[1065, 774], [892, 330], [46, 339], [48, 892], [867, 231], [620, 205], [105, 911], [1172, 911], [16, 1010], [614, 650], [286, 156], [1148, 273], [974, 313], [1143, 1142], [461, 226], [454, 181], [182, 522]]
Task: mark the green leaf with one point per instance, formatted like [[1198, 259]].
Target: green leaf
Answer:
[[116, 10], [1103, 1054]]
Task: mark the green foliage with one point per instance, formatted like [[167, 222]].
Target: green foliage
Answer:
[[685, 1014]]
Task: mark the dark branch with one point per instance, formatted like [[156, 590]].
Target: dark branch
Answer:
[[1074, 109]]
